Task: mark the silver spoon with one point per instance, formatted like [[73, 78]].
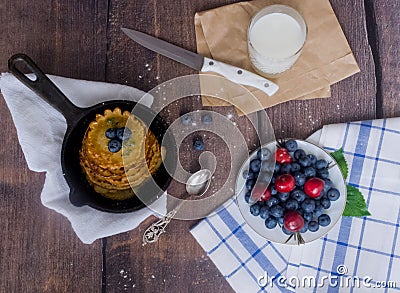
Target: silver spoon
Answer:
[[197, 184]]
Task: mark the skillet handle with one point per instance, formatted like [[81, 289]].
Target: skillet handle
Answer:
[[43, 87]]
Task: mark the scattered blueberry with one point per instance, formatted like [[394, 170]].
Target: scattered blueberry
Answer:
[[263, 154], [308, 205], [247, 175], [291, 145], [321, 195], [265, 177], [255, 209], [292, 204], [276, 211], [247, 196], [308, 216], [186, 119], [273, 179], [305, 161], [206, 119], [321, 164], [328, 185], [270, 223], [286, 168], [111, 133], [273, 190], [250, 183], [313, 226], [120, 133], [124, 133], [324, 220], [127, 134], [313, 159], [277, 167], [266, 167], [318, 210], [326, 203], [280, 220], [323, 173], [310, 172], [298, 195], [114, 145], [255, 165], [272, 201], [333, 194], [305, 228], [299, 154], [296, 167], [287, 232], [264, 212], [300, 211], [198, 144], [283, 196], [252, 175], [300, 178]]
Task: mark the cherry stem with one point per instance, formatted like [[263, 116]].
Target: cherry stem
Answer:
[[297, 237], [290, 237], [280, 143], [331, 164], [300, 239]]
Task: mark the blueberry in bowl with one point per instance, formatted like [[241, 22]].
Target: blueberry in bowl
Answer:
[[304, 197]]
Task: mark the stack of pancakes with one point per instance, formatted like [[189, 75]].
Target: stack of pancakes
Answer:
[[113, 175]]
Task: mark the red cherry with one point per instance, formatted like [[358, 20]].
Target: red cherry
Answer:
[[283, 156], [285, 183], [266, 195], [293, 221], [260, 189], [313, 187]]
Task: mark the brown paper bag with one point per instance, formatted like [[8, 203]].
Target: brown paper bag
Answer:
[[221, 34]]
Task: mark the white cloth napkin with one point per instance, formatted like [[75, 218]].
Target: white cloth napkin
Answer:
[[41, 129], [366, 247]]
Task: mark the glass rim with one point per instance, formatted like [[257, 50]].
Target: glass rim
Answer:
[[277, 6]]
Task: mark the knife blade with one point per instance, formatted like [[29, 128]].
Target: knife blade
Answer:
[[201, 63]]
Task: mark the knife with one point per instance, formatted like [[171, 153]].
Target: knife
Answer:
[[201, 63]]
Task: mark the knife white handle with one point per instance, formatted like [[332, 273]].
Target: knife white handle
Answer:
[[239, 75]]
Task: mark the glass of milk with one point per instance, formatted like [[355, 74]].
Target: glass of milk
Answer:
[[276, 37]]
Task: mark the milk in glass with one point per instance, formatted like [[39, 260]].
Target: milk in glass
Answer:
[[276, 37]]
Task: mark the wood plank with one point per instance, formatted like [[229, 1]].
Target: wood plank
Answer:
[[175, 264], [64, 37], [39, 251], [384, 31]]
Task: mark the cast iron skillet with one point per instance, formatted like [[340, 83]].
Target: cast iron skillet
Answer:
[[78, 119]]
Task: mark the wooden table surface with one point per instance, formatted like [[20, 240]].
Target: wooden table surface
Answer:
[[39, 252]]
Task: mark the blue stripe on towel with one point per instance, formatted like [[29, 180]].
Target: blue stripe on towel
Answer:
[[248, 243], [230, 248], [345, 226], [369, 197]]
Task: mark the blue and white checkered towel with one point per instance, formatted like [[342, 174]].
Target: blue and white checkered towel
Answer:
[[357, 255]]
